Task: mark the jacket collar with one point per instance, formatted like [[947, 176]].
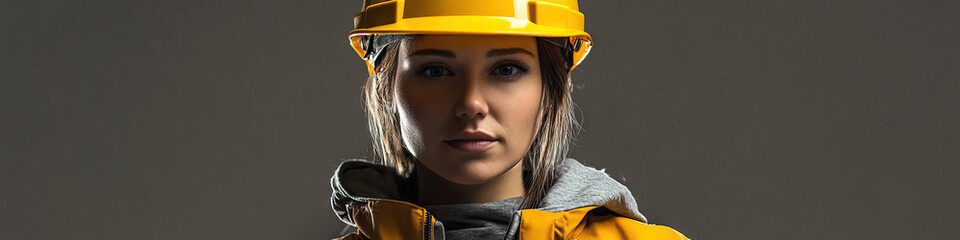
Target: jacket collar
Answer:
[[357, 182]]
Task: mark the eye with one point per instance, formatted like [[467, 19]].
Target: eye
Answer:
[[506, 70], [510, 68], [434, 71]]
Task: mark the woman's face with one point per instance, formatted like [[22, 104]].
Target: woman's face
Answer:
[[468, 105]]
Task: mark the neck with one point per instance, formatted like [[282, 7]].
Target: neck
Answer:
[[435, 190]]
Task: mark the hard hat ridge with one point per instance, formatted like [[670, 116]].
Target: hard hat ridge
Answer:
[[536, 18]]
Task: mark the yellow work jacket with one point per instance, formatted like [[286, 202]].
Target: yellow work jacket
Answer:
[[394, 219], [583, 203]]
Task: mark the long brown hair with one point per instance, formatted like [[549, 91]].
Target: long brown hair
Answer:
[[556, 126]]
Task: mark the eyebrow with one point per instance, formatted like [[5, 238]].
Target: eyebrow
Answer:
[[507, 51], [435, 52], [492, 53]]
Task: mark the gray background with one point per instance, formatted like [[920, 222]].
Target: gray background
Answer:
[[734, 119]]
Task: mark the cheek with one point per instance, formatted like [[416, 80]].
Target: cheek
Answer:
[[419, 110], [521, 109]]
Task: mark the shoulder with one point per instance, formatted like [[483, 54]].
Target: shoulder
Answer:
[[601, 224], [591, 222]]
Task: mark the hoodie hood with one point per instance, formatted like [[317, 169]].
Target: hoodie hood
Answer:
[[580, 186], [358, 181]]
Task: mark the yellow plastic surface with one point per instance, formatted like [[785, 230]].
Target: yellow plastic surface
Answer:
[[545, 18]]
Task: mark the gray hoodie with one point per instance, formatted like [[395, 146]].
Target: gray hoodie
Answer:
[[357, 181]]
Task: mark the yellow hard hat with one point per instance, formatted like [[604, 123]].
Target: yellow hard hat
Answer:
[[544, 18]]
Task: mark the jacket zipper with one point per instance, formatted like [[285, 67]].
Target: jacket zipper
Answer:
[[426, 226]]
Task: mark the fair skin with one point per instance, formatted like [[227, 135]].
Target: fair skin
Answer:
[[468, 107]]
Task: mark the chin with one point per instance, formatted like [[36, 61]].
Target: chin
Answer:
[[473, 172]]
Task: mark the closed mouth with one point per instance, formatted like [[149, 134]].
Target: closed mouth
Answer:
[[471, 145]]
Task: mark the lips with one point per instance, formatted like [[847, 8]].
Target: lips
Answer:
[[471, 145], [477, 141], [475, 135]]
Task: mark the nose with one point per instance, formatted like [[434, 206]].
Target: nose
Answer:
[[472, 104]]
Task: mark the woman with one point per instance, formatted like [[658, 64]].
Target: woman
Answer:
[[469, 109]]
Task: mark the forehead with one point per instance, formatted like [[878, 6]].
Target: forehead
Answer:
[[459, 43]]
